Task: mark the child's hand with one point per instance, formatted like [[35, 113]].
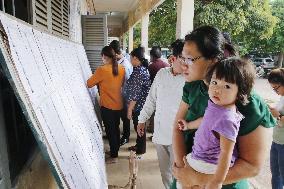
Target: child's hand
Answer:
[[182, 125], [213, 185]]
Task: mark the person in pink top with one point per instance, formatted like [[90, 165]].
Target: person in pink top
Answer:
[[156, 62]]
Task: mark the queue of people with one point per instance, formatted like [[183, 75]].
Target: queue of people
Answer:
[[210, 127]]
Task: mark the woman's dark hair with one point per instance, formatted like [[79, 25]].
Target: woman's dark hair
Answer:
[[155, 53], [211, 43], [276, 76], [109, 52], [177, 47], [229, 49], [238, 71], [139, 53], [115, 46]]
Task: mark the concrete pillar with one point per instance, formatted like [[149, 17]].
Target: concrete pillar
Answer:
[[124, 44], [185, 14], [144, 32], [130, 39]]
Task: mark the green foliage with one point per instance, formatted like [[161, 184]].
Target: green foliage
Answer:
[[277, 40], [250, 22], [247, 21], [275, 44], [137, 35], [162, 28]]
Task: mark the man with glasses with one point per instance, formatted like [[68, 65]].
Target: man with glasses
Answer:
[[164, 98]]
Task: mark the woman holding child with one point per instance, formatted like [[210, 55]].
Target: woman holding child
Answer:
[[204, 47]]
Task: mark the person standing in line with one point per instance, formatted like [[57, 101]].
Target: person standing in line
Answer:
[[128, 70], [156, 64], [109, 78], [276, 80], [165, 91], [135, 91]]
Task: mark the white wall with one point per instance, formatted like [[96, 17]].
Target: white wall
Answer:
[[77, 8]]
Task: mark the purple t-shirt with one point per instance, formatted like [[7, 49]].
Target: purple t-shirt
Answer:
[[222, 120]]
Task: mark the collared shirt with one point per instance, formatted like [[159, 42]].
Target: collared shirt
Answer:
[[154, 67], [137, 87], [164, 97], [127, 67]]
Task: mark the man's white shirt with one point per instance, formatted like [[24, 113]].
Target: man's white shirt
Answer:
[[164, 97]]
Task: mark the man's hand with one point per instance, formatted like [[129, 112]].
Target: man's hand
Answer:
[[280, 122], [141, 129], [274, 112]]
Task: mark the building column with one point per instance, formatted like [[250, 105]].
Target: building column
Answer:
[[144, 32], [185, 14], [124, 43], [130, 39]]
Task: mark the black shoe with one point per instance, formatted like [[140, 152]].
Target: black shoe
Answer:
[[123, 141], [132, 148]]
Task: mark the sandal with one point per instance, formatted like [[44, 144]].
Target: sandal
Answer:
[[111, 160]]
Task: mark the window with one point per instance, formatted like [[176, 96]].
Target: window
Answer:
[[40, 14], [60, 17], [17, 8], [49, 15], [52, 15]]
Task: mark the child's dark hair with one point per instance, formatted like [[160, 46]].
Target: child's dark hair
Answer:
[[139, 53], [177, 47], [109, 52], [276, 76], [238, 71]]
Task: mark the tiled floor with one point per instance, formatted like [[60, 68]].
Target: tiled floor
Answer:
[[148, 168], [149, 175]]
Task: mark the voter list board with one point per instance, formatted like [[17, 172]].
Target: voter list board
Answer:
[[49, 76]]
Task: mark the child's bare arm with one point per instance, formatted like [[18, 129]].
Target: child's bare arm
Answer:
[[227, 147], [194, 124], [184, 125]]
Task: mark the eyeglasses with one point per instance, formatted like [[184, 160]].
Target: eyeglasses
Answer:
[[189, 60], [276, 88]]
